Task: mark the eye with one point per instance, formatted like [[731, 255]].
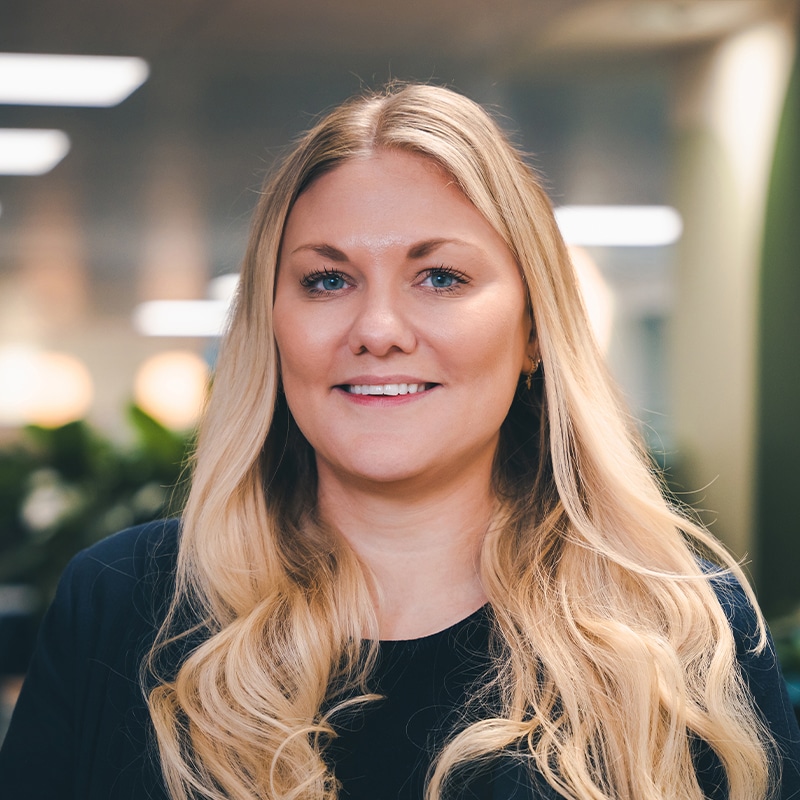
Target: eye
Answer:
[[324, 282], [443, 278]]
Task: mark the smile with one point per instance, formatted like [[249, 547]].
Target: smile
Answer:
[[388, 389]]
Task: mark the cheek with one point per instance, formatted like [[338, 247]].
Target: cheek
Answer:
[[297, 370], [295, 354], [302, 344], [306, 352], [300, 370], [493, 345]]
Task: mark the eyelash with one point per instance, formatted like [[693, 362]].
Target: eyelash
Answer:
[[308, 281]]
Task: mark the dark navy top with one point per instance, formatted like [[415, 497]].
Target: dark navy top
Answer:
[[81, 729]]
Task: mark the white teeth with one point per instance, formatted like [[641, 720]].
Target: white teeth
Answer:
[[389, 389]]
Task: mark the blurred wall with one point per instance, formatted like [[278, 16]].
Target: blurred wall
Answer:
[[727, 106], [778, 453]]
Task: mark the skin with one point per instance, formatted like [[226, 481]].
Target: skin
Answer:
[[389, 275]]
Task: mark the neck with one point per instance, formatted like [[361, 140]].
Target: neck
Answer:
[[421, 548]]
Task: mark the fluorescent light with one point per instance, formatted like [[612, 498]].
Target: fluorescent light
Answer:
[[46, 80], [181, 317], [619, 226], [31, 152]]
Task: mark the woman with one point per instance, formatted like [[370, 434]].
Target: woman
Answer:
[[424, 551]]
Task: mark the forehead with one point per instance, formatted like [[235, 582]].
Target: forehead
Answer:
[[392, 196]]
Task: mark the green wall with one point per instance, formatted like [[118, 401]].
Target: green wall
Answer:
[[778, 454]]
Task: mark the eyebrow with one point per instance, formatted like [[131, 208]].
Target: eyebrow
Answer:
[[326, 250], [419, 250], [425, 248]]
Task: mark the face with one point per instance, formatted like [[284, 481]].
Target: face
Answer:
[[401, 322]]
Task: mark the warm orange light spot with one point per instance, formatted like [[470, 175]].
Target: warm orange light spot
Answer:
[[171, 387]]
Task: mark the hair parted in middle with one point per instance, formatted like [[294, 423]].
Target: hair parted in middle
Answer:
[[614, 652]]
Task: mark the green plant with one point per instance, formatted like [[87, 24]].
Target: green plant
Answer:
[[62, 489]]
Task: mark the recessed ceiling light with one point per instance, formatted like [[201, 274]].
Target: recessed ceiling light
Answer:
[[31, 151], [48, 80], [619, 226]]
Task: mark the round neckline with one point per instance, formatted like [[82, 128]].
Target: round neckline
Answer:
[[431, 638]]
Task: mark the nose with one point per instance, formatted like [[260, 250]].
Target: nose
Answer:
[[381, 325]]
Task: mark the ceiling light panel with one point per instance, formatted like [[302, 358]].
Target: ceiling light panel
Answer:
[[26, 151], [619, 226], [180, 317], [58, 80]]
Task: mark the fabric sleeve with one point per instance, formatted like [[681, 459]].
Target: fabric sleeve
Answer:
[[37, 756], [762, 674], [80, 729]]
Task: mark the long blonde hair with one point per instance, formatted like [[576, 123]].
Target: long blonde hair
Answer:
[[614, 653]]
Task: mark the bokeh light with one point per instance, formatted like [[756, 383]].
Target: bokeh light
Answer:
[[171, 387], [42, 387]]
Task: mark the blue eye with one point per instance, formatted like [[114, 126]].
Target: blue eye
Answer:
[[444, 278], [324, 282], [332, 282]]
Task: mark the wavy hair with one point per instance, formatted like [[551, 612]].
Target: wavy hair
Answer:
[[614, 654]]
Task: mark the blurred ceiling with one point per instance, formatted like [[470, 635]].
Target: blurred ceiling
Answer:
[[231, 82], [273, 26], [472, 29]]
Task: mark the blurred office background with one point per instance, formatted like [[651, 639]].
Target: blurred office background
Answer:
[[688, 108]]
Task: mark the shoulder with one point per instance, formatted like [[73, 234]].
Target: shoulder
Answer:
[[131, 554], [125, 579], [761, 673], [743, 616], [80, 727]]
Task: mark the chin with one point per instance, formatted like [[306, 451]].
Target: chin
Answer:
[[379, 472], [383, 475]]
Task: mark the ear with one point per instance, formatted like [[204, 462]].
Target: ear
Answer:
[[531, 353], [530, 357]]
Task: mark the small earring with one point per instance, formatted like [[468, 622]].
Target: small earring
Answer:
[[532, 371]]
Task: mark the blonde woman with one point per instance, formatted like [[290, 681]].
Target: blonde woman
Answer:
[[424, 555]]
